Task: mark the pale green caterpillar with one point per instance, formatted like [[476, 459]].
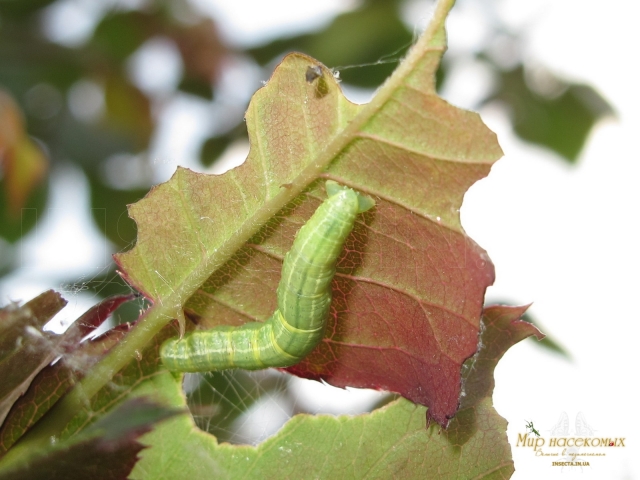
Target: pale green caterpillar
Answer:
[[304, 298]]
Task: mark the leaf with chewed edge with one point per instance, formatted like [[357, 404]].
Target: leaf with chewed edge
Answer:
[[410, 286], [392, 442]]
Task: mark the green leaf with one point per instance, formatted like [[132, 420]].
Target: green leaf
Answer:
[[24, 8], [119, 34], [560, 122], [128, 110], [107, 449], [109, 209], [392, 442], [212, 148]]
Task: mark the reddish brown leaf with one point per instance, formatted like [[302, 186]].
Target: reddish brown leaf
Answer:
[[54, 381], [24, 348], [416, 324], [93, 318], [502, 328], [410, 287]]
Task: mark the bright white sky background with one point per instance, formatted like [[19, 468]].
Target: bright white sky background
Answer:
[[565, 238]]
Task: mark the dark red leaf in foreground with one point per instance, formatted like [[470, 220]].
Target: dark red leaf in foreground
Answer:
[[93, 318], [54, 381], [25, 349], [419, 323]]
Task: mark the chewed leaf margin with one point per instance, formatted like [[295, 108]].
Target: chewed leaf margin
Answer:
[[410, 288]]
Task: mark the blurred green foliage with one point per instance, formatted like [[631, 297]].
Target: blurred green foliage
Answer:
[[559, 118], [52, 83]]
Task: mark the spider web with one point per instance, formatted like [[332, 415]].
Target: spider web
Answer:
[[242, 407], [237, 406], [90, 290]]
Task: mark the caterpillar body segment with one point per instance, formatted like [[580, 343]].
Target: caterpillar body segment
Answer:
[[304, 299]]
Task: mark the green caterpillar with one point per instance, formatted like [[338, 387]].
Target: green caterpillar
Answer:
[[304, 298]]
